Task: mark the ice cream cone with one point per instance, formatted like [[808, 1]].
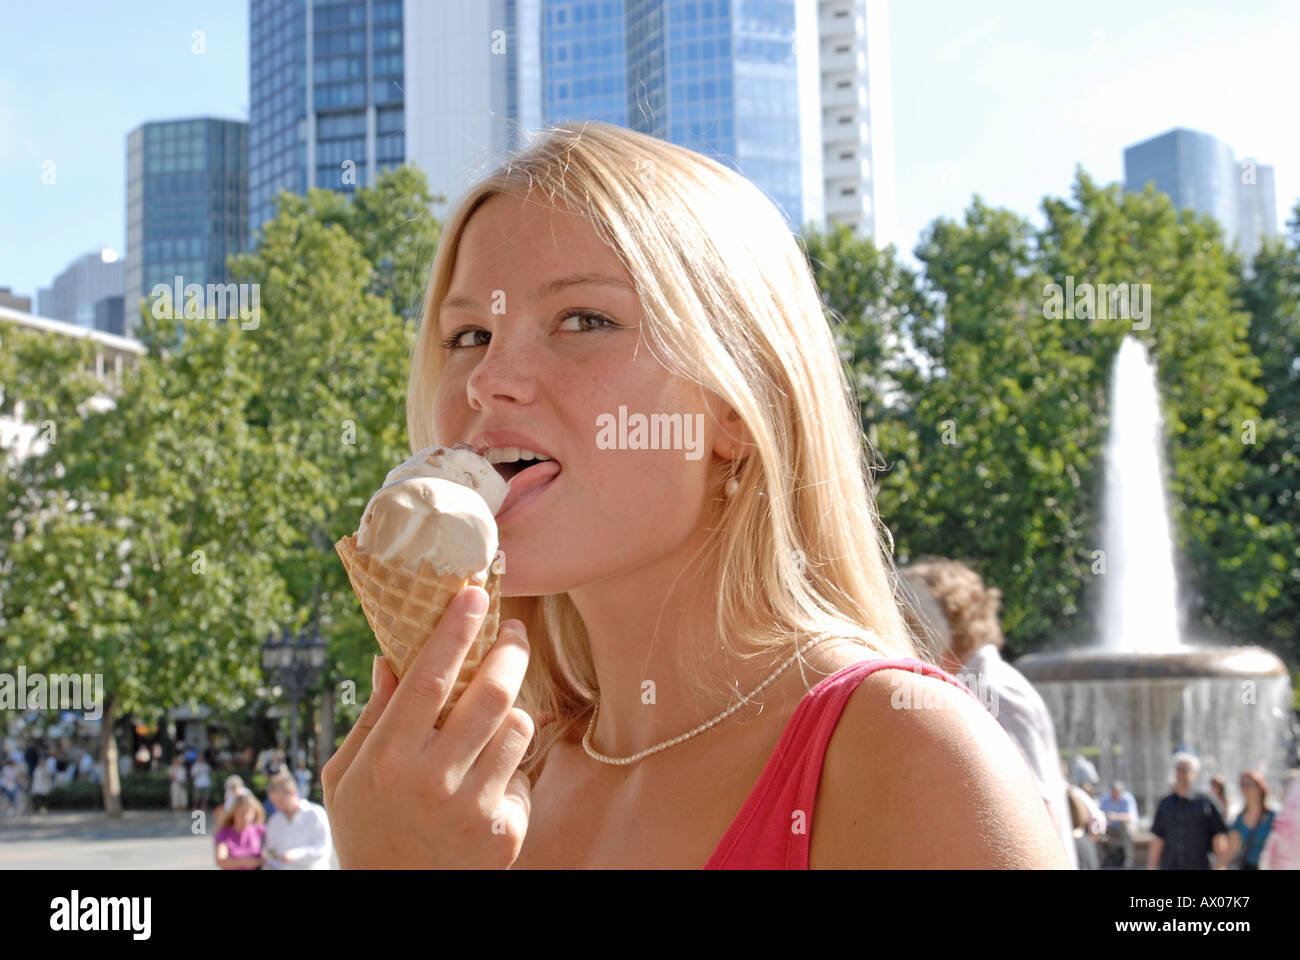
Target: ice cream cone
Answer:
[[404, 606]]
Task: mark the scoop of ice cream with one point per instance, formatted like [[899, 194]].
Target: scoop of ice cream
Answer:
[[429, 518], [459, 464]]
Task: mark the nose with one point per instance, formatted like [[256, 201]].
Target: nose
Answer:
[[504, 376]]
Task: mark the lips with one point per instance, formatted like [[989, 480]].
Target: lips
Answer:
[[527, 485]]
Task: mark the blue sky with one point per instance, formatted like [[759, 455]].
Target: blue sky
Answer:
[[1001, 99]]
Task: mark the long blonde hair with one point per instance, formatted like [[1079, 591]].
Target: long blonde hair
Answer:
[[729, 303]]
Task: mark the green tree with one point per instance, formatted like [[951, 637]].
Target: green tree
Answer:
[[991, 417], [159, 542], [1272, 296], [128, 548]]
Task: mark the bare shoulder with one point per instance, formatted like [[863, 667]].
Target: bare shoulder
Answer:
[[918, 774]]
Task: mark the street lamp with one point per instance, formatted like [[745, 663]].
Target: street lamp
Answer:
[[294, 662]]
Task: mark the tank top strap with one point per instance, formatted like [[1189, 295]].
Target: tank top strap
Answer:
[[773, 830]]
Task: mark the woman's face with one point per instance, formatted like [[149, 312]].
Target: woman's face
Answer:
[[242, 816], [544, 370]]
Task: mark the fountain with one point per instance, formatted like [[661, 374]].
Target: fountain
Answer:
[[1145, 689]]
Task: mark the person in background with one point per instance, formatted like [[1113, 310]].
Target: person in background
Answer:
[[1251, 828], [1282, 849], [1082, 826], [65, 770], [230, 788], [32, 756], [9, 786], [1083, 773], [86, 765], [298, 835], [303, 775], [1187, 825], [239, 842], [201, 775], [1120, 807], [948, 607], [155, 759], [178, 778], [42, 784], [1219, 794]]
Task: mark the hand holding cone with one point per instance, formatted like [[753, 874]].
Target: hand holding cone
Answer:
[[425, 535]]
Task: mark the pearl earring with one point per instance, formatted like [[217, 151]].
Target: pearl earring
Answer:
[[732, 487]]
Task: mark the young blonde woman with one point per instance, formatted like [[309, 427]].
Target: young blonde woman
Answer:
[[704, 650]]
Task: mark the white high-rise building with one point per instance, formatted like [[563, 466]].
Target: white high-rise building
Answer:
[[472, 80], [854, 116]]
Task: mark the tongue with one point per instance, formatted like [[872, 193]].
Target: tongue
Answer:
[[528, 478]]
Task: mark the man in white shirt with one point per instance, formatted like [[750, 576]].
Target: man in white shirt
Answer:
[[959, 616], [298, 834]]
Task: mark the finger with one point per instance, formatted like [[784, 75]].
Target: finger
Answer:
[[517, 803], [501, 757], [429, 680], [383, 684], [479, 712]]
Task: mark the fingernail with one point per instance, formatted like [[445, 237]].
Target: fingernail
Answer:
[[515, 629], [374, 674], [478, 602]]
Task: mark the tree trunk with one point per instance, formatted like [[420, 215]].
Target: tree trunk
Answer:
[[112, 785]]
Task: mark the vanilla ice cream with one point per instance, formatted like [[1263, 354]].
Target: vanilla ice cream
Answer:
[[438, 507]]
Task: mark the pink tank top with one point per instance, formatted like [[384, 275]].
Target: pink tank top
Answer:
[[762, 835]]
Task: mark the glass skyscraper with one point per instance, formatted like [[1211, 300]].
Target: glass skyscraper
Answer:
[[792, 94], [1200, 171], [325, 96], [85, 292], [717, 76], [186, 204]]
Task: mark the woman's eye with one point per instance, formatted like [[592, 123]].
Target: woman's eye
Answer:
[[581, 320], [467, 338]]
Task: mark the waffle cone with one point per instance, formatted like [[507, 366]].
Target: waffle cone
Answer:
[[404, 606]]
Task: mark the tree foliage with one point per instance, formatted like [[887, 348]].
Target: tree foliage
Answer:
[[993, 440]]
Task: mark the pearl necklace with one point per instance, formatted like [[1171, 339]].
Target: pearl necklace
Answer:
[[622, 761]]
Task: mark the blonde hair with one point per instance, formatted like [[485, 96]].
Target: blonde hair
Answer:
[[729, 303], [243, 797]]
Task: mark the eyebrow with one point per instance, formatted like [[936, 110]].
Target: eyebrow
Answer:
[[550, 288]]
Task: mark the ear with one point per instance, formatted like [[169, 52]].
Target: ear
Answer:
[[731, 439]]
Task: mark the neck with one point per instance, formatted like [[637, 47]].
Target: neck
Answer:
[[656, 625]]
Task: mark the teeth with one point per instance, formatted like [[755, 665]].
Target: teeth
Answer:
[[512, 455]]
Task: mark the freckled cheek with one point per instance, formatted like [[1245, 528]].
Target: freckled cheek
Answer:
[[450, 408]]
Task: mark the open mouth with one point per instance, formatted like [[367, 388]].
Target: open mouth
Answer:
[[510, 462], [526, 472]]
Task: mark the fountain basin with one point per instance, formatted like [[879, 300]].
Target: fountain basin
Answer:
[[1231, 706], [1098, 664]]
